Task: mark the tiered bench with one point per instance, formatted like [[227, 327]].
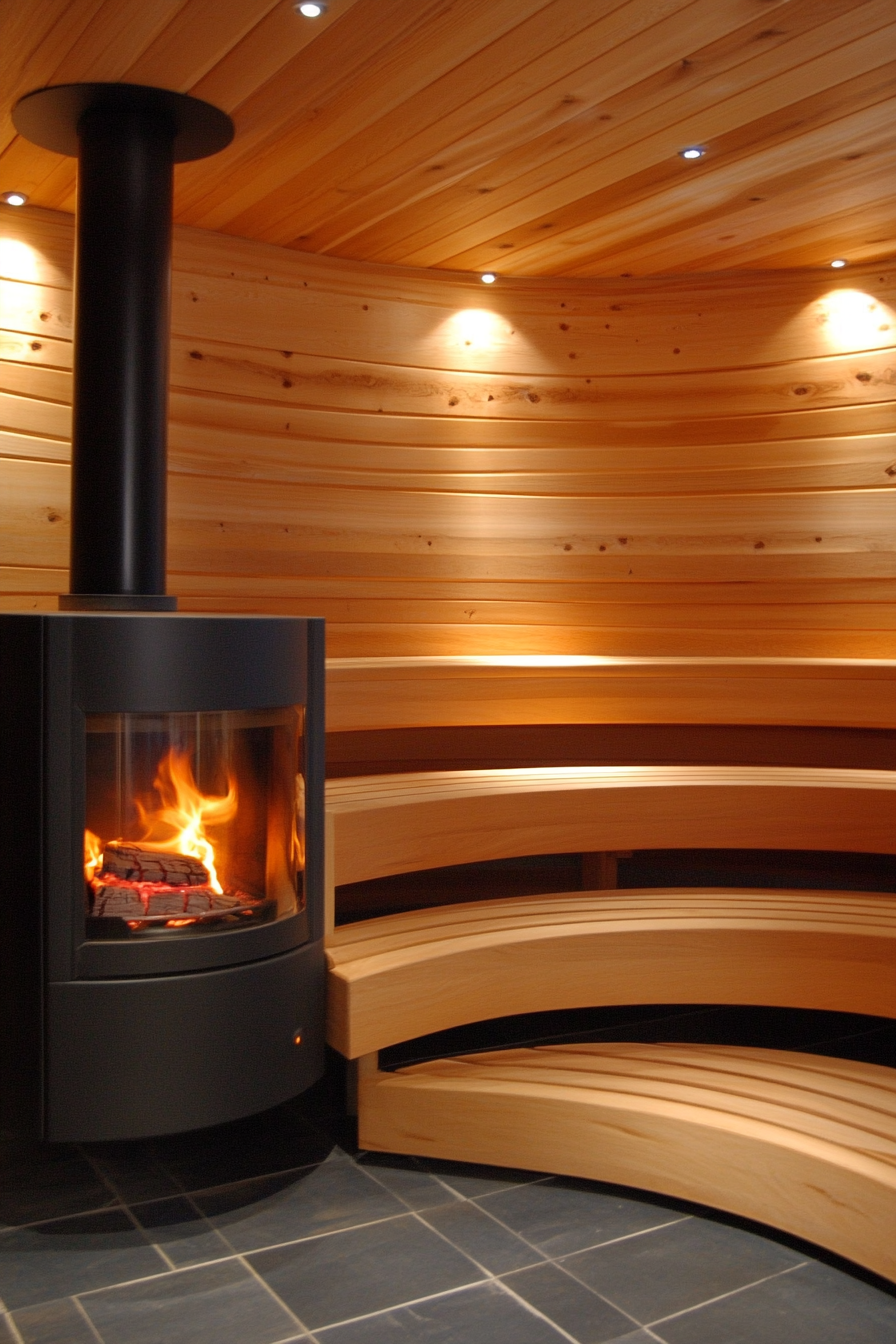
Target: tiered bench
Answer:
[[802, 1143]]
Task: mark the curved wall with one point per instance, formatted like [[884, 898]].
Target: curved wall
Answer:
[[700, 465]]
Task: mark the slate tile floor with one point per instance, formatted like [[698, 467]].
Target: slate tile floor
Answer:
[[277, 1230]]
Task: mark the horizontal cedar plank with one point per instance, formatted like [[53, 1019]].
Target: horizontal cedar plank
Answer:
[[687, 429], [645, 323], [633, 592], [353, 641], [808, 464], [815, 604], [34, 447], [624, 333], [301, 380], [30, 416], [223, 510], [813, 567], [367, 609], [31, 351], [27, 414]]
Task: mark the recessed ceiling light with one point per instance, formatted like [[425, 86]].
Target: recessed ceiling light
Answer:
[[488, 278], [311, 9], [14, 197], [838, 264], [692, 152]]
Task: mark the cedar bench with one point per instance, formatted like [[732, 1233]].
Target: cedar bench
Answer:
[[805, 1144]]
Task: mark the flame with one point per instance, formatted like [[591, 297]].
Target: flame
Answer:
[[93, 854], [179, 825]]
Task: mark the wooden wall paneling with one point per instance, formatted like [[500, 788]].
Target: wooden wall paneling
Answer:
[[666, 499]]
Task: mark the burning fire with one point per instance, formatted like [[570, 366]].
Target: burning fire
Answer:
[[93, 854], [178, 826]]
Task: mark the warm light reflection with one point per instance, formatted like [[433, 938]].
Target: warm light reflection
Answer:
[[18, 261], [474, 329], [853, 320]]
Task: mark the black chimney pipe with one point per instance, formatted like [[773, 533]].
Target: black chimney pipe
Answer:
[[128, 138]]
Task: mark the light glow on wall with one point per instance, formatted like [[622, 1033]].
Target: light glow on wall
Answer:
[[853, 320], [18, 261]]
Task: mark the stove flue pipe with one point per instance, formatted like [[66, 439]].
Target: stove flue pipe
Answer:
[[127, 139]]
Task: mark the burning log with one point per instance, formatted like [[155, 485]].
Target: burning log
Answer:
[[117, 897], [132, 863]]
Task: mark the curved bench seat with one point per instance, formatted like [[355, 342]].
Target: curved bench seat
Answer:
[[385, 824], [422, 692], [805, 1143], [406, 975]]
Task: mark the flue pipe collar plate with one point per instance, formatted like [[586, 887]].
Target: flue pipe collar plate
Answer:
[[49, 117]]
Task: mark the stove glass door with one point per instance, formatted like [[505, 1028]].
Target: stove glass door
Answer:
[[194, 822]]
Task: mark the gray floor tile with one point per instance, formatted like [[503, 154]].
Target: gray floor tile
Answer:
[[470, 1180], [489, 1244], [335, 1278], [59, 1322], [71, 1256], [208, 1305], [304, 1204], [181, 1233], [403, 1176], [39, 1181], [481, 1315], [673, 1268], [572, 1306], [811, 1305], [561, 1215]]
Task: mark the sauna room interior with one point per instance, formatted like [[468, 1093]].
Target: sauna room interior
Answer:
[[542, 354]]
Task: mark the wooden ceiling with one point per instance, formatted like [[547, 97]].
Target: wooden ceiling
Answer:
[[534, 137]]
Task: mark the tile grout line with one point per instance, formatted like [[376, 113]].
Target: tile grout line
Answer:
[[598, 1245], [721, 1297], [13, 1328], [90, 1325], [276, 1296], [534, 1311], [457, 1199]]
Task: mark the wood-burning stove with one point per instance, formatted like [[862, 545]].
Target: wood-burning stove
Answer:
[[161, 828]]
